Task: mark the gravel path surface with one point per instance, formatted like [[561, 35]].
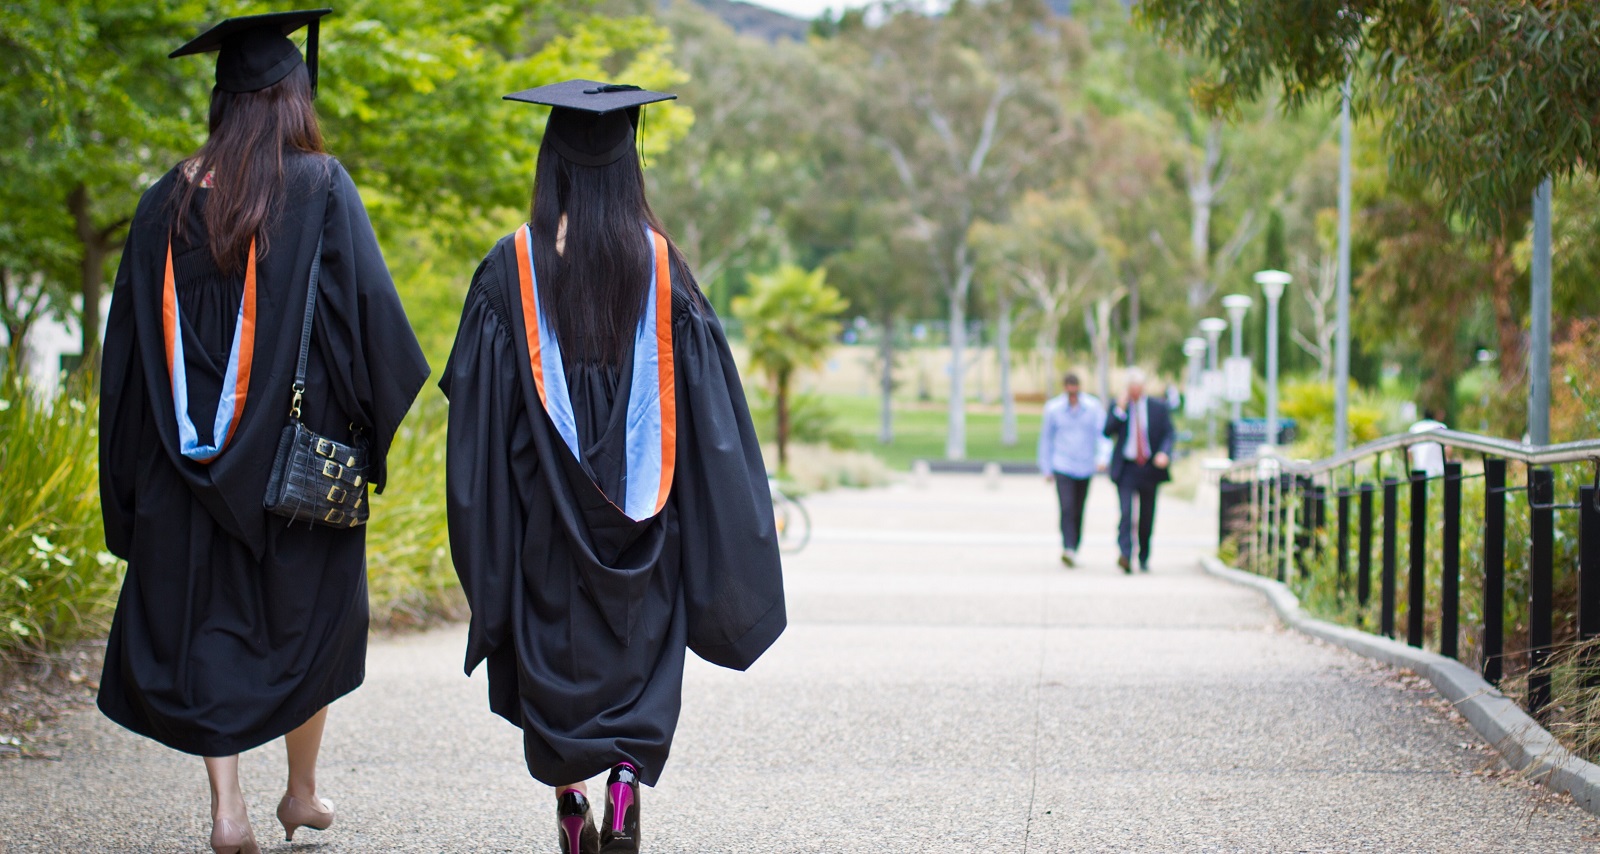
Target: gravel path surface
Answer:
[[945, 686]]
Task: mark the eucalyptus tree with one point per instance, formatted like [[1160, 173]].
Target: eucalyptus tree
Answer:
[[1485, 99], [726, 187], [961, 107]]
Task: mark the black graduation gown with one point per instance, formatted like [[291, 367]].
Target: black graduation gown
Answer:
[[583, 615], [234, 627]]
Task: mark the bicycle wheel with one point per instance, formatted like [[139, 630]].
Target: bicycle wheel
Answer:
[[794, 523]]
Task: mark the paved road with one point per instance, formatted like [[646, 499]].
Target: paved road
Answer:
[[945, 686]]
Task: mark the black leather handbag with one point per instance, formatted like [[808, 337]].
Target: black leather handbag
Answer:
[[314, 478]]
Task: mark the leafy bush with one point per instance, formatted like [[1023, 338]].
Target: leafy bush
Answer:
[[409, 574], [1311, 403], [812, 421], [57, 582]]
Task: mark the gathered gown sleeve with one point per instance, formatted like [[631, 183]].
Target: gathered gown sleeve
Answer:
[[732, 574], [377, 366], [122, 412], [490, 462]]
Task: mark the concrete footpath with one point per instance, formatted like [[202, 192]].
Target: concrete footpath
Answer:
[[945, 686]]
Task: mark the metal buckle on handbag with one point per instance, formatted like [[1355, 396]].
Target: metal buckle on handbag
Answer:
[[332, 469], [342, 494], [334, 517], [325, 448]]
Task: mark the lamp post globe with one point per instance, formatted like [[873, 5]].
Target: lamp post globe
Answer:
[[1272, 283]]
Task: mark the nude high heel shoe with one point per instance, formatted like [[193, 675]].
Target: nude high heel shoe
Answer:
[[232, 837], [294, 814]]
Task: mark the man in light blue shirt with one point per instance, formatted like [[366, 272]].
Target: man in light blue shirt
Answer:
[[1069, 438]]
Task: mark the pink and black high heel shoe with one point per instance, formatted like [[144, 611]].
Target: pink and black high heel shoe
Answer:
[[621, 832], [578, 835]]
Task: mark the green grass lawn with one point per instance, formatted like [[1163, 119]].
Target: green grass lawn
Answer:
[[919, 430]]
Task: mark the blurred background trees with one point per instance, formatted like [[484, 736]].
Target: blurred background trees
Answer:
[[1045, 185]]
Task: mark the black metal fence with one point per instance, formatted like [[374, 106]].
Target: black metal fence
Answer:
[[1276, 514]]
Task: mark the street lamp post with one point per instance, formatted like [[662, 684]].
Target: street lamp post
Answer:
[[1237, 305], [1212, 328], [1272, 283], [1194, 400]]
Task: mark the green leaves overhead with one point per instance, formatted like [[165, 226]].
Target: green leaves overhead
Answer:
[[1487, 97], [92, 112]]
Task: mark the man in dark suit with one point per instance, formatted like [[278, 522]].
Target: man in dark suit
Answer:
[[1142, 437]]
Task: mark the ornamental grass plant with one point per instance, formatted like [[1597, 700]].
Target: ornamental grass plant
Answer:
[[58, 584], [411, 581]]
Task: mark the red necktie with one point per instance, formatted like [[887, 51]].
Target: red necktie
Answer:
[[1141, 447]]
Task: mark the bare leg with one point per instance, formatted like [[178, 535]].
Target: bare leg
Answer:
[[303, 744], [581, 787], [227, 799]]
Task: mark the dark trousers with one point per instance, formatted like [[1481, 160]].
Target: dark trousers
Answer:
[[1127, 489], [1073, 493]]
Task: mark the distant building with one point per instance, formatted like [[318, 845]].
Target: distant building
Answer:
[[53, 348]]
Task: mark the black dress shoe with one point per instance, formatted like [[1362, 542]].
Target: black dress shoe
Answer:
[[1144, 566], [578, 835], [1126, 566], [620, 835]]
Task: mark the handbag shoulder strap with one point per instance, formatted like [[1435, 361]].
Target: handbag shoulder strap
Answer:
[[299, 386]]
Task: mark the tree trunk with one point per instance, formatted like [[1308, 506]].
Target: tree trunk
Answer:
[[1508, 327], [955, 440], [1130, 335], [1099, 328], [781, 405], [1203, 190], [1008, 399], [97, 244], [886, 383]]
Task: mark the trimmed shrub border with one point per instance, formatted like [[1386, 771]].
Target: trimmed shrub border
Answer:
[[1525, 746]]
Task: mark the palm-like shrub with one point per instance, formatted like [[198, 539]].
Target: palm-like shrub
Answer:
[[788, 319]]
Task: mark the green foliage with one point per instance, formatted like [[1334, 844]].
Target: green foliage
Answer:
[[812, 420], [1488, 97], [1310, 403], [57, 581], [1323, 592], [91, 112], [788, 319], [410, 578], [788, 322], [411, 103]]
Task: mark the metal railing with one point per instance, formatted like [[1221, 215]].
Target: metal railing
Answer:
[[1275, 511]]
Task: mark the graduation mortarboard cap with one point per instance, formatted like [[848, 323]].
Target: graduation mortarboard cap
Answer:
[[591, 123], [255, 52]]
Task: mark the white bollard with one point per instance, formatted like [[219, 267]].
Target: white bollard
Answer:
[[919, 474], [991, 475]]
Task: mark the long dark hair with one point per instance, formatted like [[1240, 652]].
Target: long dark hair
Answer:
[[250, 133], [596, 288]]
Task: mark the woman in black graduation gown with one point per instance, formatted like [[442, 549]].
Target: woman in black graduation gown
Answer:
[[608, 504], [235, 627]]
